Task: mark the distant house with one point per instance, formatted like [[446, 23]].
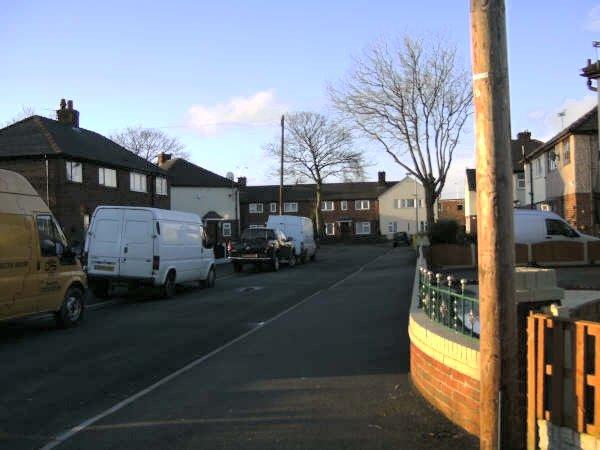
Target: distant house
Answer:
[[452, 209], [197, 190], [402, 208], [75, 170], [348, 210], [520, 148], [562, 174]]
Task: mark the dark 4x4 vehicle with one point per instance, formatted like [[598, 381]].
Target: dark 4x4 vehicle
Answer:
[[401, 238], [263, 247]]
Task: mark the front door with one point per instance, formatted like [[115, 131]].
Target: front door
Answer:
[[137, 247], [346, 230]]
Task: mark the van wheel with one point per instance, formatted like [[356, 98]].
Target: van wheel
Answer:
[[313, 256], [292, 260], [71, 311], [168, 289], [210, 279], [275, 263]]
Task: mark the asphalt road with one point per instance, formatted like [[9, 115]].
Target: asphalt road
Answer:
[[321, 361]]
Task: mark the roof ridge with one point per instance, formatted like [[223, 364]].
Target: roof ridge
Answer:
[[53, 145]]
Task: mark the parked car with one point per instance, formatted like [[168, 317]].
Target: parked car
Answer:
[[263, 247], [400, 238], [146, 246], [533, 226], [39, 273], [302, 232]]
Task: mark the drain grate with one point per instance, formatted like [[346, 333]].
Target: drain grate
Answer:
[[247, 289]]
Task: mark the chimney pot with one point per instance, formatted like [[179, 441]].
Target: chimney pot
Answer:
[[67, 115], [70, 105], [524, 136], [381, 177], [242, 181], [163, 158], [63, 103]]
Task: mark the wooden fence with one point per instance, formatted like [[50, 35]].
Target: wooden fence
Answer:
[[563, 374]]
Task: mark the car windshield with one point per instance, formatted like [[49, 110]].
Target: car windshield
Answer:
[[257, 233]]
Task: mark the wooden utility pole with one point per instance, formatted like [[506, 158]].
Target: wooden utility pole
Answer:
[[281, 168], [501, 414]]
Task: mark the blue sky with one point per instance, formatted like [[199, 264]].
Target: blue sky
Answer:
[[218, 74]]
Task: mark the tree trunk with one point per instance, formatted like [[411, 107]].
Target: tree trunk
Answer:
[[429, 204], [318, 211]]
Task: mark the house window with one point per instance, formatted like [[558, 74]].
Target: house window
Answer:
[[290, 207], [361, 205], [344, 205], [420, 203], [330, 229], [552, 156], [137, 182], [161, 186], [107, 177], [74, 172], [459, 207], [537, 165], [407, 203], [327, 206], [255, 208], [521, 180], [272, 207], [566, 152], [423, 227], [392, 227], [226, 229], [363, 227]]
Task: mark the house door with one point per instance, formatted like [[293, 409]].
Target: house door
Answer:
[[346, 229]]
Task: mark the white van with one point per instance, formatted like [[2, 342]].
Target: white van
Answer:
[[533, 226], [151, 246], [301, 230]]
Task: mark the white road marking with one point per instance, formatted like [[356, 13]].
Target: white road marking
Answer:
[[68, 434]]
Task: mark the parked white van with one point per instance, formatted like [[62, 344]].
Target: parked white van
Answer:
[[137, 245], [533, 226], [301, 230]]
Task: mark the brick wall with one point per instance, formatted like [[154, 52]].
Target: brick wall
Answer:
[[454, 394], [69, 202], [576, 209], [452, 209]]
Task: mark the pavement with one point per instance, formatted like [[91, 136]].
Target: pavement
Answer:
[[310, 357]]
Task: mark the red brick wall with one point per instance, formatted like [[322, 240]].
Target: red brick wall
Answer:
[[452, 209], [576, 209], [451, 392]]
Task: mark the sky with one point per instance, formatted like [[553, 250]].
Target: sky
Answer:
[[218, 75]]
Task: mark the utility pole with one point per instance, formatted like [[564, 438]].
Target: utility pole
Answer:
[[416, 208], [501, 413], [281, 168]]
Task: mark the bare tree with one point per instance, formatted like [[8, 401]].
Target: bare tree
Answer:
[[317, 149], [414, 101], [26, 111], [149, 143]]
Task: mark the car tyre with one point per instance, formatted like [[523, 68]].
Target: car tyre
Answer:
[[313, 257], [168, 288], [292, 260], [275, 263], [71, 311], [211, 278]]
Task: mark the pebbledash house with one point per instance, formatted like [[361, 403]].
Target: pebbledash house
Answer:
[[75, 170]]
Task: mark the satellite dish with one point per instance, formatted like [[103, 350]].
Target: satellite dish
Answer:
[[229, 176]]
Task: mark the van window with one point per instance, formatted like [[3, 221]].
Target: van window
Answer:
[[172, 232], [559, 228], [137, 231], [107, 230], [49, 235], [193, 234]]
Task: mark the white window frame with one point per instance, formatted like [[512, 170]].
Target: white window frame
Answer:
[[273, 207], [521, 180], [359, 205], [330, 229], [326, 203], [359, 228], [538, 167], [226, 229], [344, 205], [161, 186], [102, 178], [255, 208], [290, 207], [392, 227], [138, 182], [566, 152], [74, 171]]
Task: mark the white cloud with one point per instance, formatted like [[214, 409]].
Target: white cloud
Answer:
[[259, 108], [548, 122], [593, 19]]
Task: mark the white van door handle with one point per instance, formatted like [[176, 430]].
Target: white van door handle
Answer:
[[125, 249]]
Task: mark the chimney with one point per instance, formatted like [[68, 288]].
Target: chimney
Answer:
[[381, 177], [163, 158], [67, 115], [242, 181], [524, 136]]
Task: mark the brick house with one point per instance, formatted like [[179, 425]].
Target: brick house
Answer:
[[198, 190], [452, 209], [348, 210], [75, 170], [562, 174]]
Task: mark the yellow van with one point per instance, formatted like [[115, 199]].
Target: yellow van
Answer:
[[38, 271]]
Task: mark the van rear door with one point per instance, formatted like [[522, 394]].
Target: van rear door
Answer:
[[137, 249], [104, 251]]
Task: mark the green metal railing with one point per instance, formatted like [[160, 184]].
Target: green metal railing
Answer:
[[450, 306]]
